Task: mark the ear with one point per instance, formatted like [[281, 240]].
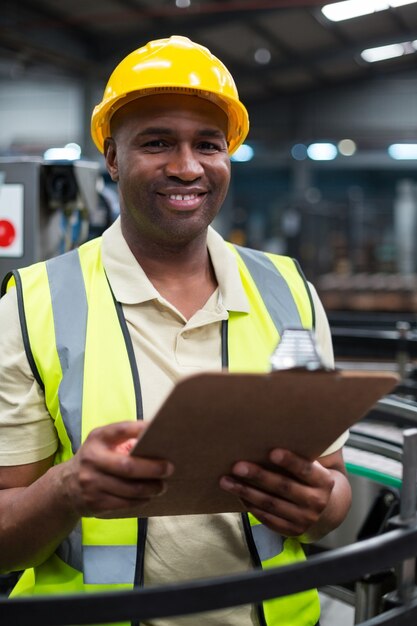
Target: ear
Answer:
[[110, 154]]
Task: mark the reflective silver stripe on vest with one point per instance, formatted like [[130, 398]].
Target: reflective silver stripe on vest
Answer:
[[109, 565], [268, 543], [273, 288], [71, 551], [100, 564], [69, 306]]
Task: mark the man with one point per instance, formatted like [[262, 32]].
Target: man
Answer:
[[106, 331]]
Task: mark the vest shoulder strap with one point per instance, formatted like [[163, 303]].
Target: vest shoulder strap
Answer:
[[13, 279], [281, 285]]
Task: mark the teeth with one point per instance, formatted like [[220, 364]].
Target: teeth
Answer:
[[178, 196]]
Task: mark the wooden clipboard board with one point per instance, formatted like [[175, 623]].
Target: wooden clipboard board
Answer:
[[211, 420]]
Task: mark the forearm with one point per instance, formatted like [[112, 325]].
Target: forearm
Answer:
[[33, 521], [335, 511]]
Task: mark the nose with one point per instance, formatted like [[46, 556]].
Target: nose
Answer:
[[184, 164]]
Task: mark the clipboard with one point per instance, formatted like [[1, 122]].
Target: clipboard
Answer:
[[211, 420]]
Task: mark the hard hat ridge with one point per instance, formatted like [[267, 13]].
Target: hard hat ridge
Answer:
[[172, 65]]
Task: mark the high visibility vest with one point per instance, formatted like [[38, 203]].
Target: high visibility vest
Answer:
[[79, 349]]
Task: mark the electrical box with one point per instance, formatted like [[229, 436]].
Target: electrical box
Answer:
[[46, 208]]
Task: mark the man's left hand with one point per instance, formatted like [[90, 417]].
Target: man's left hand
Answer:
[[292, 494]]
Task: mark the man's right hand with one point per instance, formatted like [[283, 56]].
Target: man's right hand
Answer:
[[104, 480], [40, 504]]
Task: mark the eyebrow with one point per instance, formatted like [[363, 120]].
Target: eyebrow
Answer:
[[160, 130]]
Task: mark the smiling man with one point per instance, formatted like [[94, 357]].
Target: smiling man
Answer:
[[97, 338]]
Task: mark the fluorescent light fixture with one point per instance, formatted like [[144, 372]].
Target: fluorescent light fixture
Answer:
[[403, 151], [244, 153], [346, 147], [299, 152], [322, 151], [371, 55], [339, 11], [70, 152], [349, 9]]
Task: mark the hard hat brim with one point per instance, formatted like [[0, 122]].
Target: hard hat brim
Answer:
[[238, 118]]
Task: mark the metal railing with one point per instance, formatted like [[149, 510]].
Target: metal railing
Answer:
[[334, 567], [393, 550], [397, 407]]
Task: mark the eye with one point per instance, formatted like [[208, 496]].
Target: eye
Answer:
[[155, 145], [209, 146]]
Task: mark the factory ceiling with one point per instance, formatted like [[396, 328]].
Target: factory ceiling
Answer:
[[273, 47]]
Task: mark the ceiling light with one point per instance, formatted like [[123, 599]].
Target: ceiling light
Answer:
[[348, 9], [182, 4], [262, 56], [299, 152], [381, 53], [403, 151], [71, 152], [244, 153], [346, 147], [338, 11], [322, 151]]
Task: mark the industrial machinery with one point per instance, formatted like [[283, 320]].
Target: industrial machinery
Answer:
[[47, 208]]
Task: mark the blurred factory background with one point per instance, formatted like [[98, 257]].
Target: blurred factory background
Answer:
[[328, 173]]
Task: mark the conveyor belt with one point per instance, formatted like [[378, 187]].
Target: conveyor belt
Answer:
[[372, 343], [373, 466], [374, 451], [382, 320], [389, 433], [373, 457], [397, 410]]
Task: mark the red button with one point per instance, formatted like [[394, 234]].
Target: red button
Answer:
[[7, 233]]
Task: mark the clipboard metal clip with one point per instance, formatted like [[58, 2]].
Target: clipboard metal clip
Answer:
[[297, 349]]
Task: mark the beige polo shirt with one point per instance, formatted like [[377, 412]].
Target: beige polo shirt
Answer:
[[167, 347]]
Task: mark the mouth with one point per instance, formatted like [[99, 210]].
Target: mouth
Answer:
[[183, 201]]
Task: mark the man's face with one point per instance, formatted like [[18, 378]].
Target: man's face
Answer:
[[169, 155]]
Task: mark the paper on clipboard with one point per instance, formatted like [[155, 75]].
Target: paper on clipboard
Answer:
[[211, 420]]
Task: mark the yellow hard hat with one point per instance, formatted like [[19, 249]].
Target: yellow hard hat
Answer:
[[174, 65]]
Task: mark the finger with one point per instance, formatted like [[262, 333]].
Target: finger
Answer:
[[118, 432], [309, 472], [127, 446], [101, 451], [96, 497], [113, 506], [102, 460], [270, 482], [132, 489], [262, 500], [281, 525], [281, 515]]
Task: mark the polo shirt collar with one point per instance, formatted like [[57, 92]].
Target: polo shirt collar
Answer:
[[227, 273], [131, 285]]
